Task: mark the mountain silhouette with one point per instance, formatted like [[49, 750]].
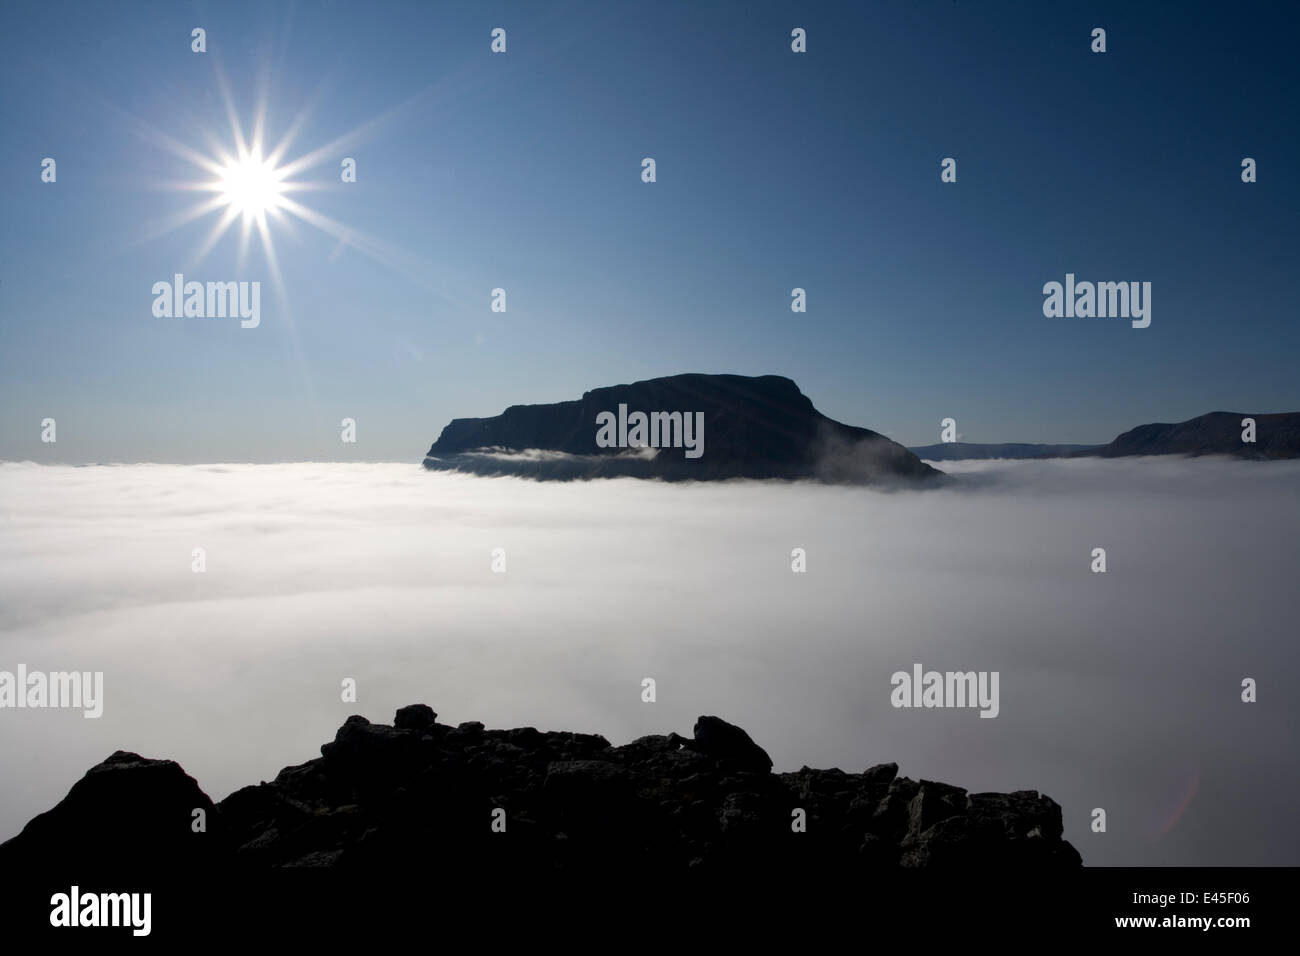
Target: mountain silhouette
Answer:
[[1218, 433], [752, 427]]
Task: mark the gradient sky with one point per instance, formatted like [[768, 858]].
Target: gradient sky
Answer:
[[522, 171]]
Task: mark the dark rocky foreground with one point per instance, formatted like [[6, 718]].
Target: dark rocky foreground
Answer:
[[420, 793], [754, 427]]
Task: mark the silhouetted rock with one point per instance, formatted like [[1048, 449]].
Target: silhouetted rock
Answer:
[[1218, 433], [415, 717], [754, 427], [127, 813], [722, 741], [419, 793]]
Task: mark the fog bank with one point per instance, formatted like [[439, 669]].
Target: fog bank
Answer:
[[1118, 690]]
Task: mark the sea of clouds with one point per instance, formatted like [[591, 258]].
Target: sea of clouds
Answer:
[[1118, 690]]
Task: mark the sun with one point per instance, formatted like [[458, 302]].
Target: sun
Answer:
[[257, 186], [251, 186]]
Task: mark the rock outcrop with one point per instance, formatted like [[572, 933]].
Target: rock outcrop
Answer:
[[465, 800], [753, 427], [128, 810]]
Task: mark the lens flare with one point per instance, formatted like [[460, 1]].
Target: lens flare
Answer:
[[251, 186]]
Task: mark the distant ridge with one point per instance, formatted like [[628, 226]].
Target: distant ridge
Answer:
[[960, 450], [753, 427], [1218, 433]]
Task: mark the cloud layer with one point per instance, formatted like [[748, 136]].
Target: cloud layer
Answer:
[[1118, 690]]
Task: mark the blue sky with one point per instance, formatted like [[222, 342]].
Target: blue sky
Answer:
[[522, 171]]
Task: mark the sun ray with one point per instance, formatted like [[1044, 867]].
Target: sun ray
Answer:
[[214, 235], [259, 126], [159, 228], [295, 127], [363, 243], [286, 222], [352, 138], [175, 147], [223, 86], [245, 233], [272, 261]]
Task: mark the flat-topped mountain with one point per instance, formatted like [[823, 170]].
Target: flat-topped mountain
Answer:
[[1218, 433], [403, 797], [682, 427]]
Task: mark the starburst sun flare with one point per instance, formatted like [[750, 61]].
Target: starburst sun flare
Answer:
[[251, 186]]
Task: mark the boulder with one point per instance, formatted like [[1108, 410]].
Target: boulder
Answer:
[[720, 740]]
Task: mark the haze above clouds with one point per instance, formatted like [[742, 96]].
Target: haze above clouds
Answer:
[[1119, 690]]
